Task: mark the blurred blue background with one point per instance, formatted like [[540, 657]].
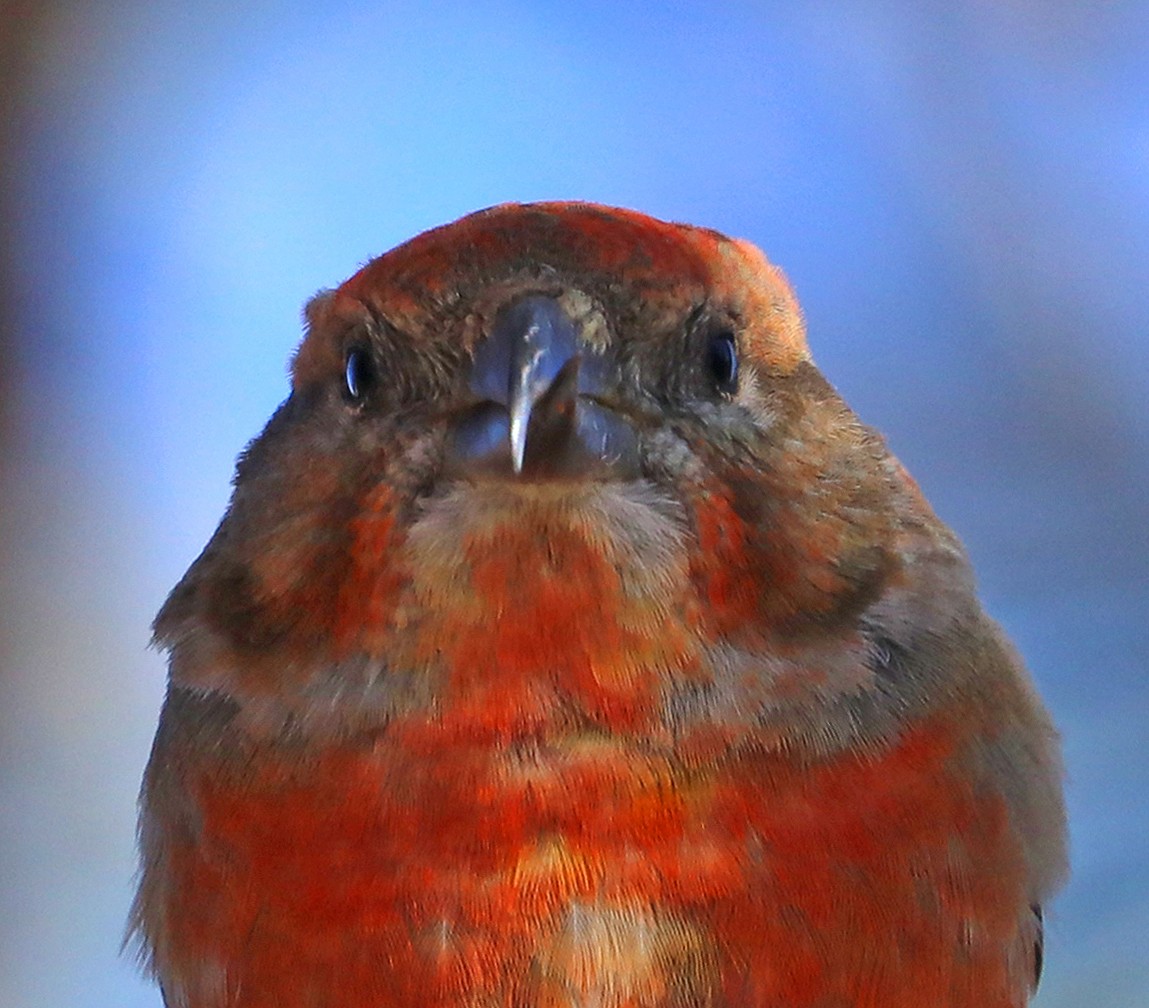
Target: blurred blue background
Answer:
[[959, 192]]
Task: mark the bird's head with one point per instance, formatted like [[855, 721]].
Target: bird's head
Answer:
[[556, 341]]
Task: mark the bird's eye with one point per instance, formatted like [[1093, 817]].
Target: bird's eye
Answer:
[[722, 362], [358, 374]]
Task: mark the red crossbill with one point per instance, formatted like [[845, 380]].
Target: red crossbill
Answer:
[[569, 642]]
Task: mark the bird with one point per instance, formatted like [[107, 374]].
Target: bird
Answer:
[[568, 642]]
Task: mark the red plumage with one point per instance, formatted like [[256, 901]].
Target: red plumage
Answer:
[[681, 695]]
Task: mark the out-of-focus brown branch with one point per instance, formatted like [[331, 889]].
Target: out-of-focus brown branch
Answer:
[[22, 24]]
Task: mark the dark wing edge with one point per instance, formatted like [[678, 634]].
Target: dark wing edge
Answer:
[[1038, 943]]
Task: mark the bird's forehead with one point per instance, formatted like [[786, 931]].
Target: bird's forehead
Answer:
[[603, 251], [647, 275]]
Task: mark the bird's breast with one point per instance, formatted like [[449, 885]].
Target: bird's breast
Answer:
[[441, 869], [536, 832]]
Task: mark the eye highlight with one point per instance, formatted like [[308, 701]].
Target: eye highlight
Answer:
[[722, 361], [359, 375]]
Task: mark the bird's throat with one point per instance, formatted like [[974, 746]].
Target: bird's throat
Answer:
[[562, 599]]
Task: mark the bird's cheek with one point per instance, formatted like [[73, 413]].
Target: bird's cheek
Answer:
[[325, 578], [719, 565], [373, 579], [762, 566]]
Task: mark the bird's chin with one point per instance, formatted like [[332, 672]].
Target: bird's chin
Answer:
[[587, 441]]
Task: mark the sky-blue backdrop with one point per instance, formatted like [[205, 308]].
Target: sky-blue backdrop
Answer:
[[959, 192]]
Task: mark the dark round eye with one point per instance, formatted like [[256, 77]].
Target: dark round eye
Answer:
[[358, 374], [722, 361]]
